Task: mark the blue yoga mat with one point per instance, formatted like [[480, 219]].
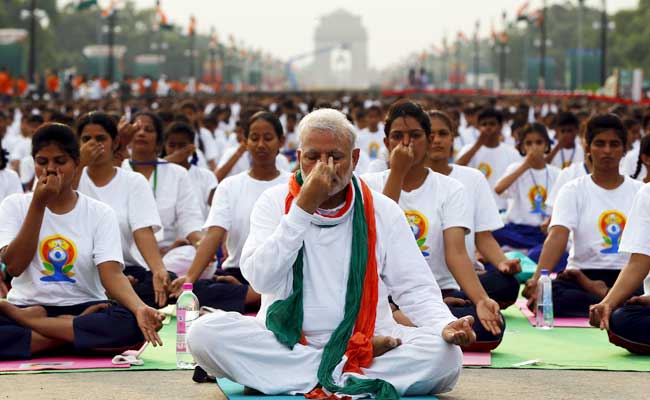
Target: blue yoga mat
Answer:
[[235, 391]]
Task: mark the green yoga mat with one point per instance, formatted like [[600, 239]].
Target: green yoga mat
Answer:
[[561, 348], [235, 391]]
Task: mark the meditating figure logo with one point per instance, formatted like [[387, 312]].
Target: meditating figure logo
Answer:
[[58, 255], [537, 197], [420, 228], [485, 169], [611, 224], [373, 150]]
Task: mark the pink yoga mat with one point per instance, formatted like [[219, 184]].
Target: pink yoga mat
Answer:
[[558, 322], [38, 364], [477, 359]]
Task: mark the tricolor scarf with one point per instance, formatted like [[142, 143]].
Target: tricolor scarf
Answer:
[[353, 336]]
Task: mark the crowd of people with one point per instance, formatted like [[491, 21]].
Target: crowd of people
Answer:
[[368, 234]]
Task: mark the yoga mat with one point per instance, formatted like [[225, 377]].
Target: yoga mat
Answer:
[[58, 363], [471, 359], [235, 391], [528, 266], [558, 322], [566, 348], [155, 358]]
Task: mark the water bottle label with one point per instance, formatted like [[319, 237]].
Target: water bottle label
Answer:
[[181, 345], [180, 321]]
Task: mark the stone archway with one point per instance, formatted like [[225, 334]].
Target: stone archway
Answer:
[[341, 56]]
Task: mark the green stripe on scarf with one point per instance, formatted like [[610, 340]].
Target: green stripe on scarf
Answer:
[[284, 317]]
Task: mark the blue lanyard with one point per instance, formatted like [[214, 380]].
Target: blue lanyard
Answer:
[[586, 168]]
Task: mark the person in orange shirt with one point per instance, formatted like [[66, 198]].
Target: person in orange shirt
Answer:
[[21, 86], [5, 82], [53, 84]]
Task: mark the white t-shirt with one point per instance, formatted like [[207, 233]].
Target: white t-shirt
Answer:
[[629, 163], [129, 195], [637, 232], [232, 204], [178, 207], [9, 183], [567, 157], [63, 271], [480, 205], [575, 170], [21, 147], [377, 166], [597, 218], [244, 162], [211, 149], [529, 193], [372, 143], [440, 203], [203, 182], [492, 162], [468, 135]]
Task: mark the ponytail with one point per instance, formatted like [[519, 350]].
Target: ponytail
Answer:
[[644, 148]]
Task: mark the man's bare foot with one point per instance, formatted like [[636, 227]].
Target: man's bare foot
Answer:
[[22, 315], [95, 308], [382, 344]]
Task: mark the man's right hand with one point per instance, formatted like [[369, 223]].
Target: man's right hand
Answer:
[[318, 185], [599, 315], [460, 332]]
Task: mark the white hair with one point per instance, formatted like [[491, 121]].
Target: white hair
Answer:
[[330, 120]]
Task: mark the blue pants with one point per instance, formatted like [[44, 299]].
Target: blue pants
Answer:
[[113, 328], [630, 328], [536, 252], [519, 236], [222, 295], [502, 288], [571, 300], [144, 287]]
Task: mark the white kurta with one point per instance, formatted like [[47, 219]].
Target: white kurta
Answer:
[[242, 349]]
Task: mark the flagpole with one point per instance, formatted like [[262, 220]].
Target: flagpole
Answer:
[[542, 51], [603, 43], [31, 70], [110, 40], [581, 11], [502, 58], [457, 67], [476, 54]]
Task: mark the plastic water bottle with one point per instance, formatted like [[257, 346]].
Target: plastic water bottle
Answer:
[[187, 311], [544, 317]]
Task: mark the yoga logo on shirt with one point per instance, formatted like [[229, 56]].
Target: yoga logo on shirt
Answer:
[[373, 150], [611, 224], [420, 228], [485, 169], [537, 197], [566, 164], [58, 255]]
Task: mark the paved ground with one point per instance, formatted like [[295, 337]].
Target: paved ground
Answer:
[[483, 384]]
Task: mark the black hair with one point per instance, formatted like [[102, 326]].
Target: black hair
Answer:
[[167, 117], [442, 116], [630, 122], [535, 127], [98, 118], [157, 124], [189, 104], [605, 122], [4, 158], [374, 108], [37, 118], [58, 116], [268, 117], [645, 120], [490, 113], [567, 118], [407, 108], [57, 134], [644, 149], [183, 129]]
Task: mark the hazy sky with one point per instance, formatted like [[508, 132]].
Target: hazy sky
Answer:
[[395, 27]]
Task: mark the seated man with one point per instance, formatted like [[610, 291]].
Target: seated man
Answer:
[[325, 254]]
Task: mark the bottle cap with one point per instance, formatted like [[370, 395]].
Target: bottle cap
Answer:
[[187, 286], [544, 273]]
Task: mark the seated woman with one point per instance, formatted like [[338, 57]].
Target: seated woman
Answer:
[[527, 183], [230, 216], [63, 251], [179, 149], [628, 322], [499, 281], [128, 194], [435, 207], [9, 184], [594, 209], [178, 207]]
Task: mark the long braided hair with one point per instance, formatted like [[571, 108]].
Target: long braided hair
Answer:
[[644, 148]]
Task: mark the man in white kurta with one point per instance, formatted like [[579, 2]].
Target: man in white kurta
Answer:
[[242, 348]]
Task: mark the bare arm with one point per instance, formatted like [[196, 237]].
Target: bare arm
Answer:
[[629, 279], [225, 169], [401, 161], [469, 154], [19, 253], [554, 245], [460, 264], [489, 248], [505, 182]]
